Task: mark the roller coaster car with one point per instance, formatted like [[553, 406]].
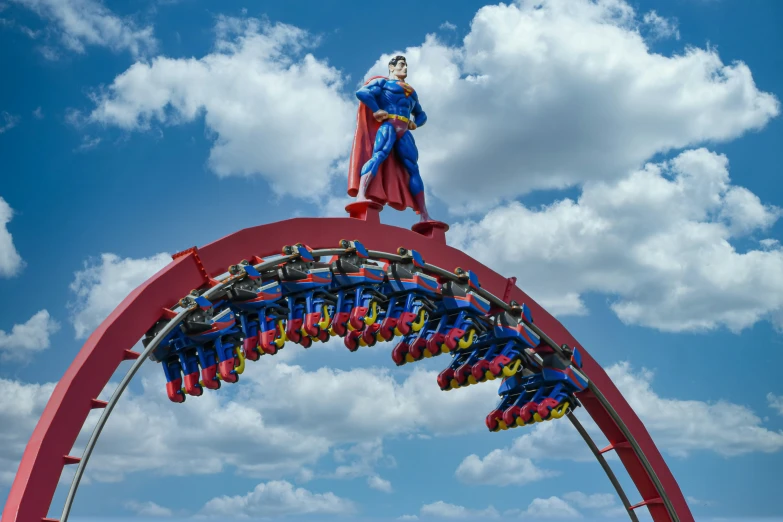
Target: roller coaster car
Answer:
[[213, 329], [169, 353], [513, 336], [473, 366], [435, 339], [497, 420], [306, 283], [464, 309], [260, 317], [544, 395], [357, 283], [411, 293]]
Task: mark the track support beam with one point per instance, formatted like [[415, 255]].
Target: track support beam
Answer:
[[615, 445]]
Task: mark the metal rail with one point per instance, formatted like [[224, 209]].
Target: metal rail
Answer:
[[219, 290], [605, 465], [637, 451], [110, 406]]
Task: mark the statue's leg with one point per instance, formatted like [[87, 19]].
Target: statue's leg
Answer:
[[384, 142], [409, 154]]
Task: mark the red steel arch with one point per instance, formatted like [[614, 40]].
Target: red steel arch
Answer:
[[48, 449]]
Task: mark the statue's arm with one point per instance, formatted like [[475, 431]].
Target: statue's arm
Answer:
[[419, 116], [369, 94]]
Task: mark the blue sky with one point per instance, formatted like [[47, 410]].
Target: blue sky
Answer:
[[618, 158]]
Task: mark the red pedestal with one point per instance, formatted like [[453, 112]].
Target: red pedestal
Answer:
[[431, 229], [365, 210]]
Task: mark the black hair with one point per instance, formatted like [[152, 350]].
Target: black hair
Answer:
[[396, 59]]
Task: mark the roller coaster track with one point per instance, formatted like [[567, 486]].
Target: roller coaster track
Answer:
[[75, 395]]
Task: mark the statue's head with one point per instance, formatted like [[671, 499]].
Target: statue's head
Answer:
[[398, 67]]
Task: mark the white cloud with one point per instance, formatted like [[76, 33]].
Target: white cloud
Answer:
[[515, 465], [101, 286], [26, 339], [136, 441], [148, 509], [441, 509], [81, 23], [500, 468], [448, 26], [38, 113], [775, 402], [343, 405], [364, 458], [659, 26], [408, 517], [274, 111], [20, 410], [9, 121], [556, 93], [278, 498], [659, 240], [681, 427], [551, 508], [376, 482], [88, 143], [678, 427], [594, 501], [10, 261], [294, 418]]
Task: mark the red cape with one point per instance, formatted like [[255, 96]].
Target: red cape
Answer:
[[390, 185]]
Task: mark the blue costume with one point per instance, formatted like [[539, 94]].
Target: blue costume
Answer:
[[401, 102]]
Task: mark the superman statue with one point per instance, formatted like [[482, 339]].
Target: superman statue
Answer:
[[388, 112]]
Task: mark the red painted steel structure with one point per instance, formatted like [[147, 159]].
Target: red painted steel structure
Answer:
[[48, 450]]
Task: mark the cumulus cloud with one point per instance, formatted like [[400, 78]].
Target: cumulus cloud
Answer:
[[102, 285], [81, 23], [344, 405], [515, 465], [376, 482], [292, 416], [555, 93], [361, 461], [10, 260], [274, 111], [148, 509], [775, 402], [594, 501], [441, 509], [659, 26], [500, 468], [551, 508], [9, 121], [658, 240], [278, 498], [20, 409], [679, 428], [26, 339]]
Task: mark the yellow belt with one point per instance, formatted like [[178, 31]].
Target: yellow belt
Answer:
[[397, 117]]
